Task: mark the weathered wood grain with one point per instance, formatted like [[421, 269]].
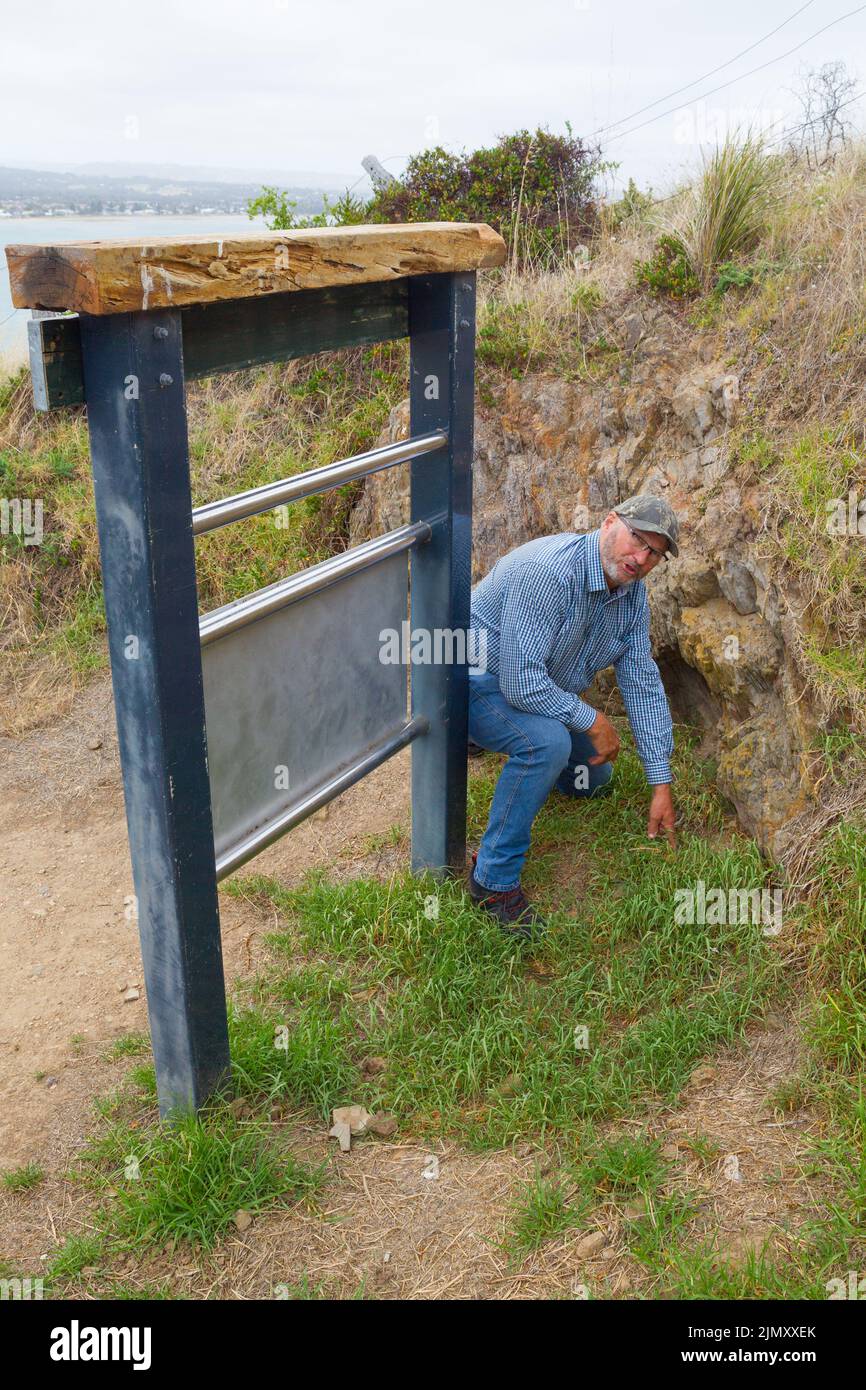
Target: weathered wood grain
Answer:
[[112, 277]]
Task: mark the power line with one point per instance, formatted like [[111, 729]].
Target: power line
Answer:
[[812, 121], [630, 117], [722, 85], [783, 135]]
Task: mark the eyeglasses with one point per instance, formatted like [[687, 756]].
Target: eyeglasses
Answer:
[[650, 549]]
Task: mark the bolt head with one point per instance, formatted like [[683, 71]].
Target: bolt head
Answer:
[[160, 332]]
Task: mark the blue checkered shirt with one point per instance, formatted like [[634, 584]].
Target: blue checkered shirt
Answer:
[[551, 624]]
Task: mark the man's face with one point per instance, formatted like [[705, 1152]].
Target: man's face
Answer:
[[624, 556]]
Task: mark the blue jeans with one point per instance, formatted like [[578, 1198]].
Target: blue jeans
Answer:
[[542, 754]]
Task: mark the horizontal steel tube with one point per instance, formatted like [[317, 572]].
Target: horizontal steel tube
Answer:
[[262, 499], [275, 596], [267, 834]]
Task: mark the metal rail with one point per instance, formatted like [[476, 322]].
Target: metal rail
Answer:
[[245, 610], [262, 499], [266, 835]]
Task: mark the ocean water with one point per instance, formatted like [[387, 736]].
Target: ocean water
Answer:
[[51, 230]]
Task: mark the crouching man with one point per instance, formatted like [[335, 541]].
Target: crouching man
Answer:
[[554, 613]]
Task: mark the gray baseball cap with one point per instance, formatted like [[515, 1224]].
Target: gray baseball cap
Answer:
[[649, 513]]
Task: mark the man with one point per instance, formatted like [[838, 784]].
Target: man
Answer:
[[555, 612]]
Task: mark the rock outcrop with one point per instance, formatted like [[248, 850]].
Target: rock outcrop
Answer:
[[555, 455]]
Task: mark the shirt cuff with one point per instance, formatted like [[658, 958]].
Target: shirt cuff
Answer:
[[657, 773], [583, 718]]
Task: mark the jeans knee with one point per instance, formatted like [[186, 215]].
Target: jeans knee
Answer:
[[552, 742]]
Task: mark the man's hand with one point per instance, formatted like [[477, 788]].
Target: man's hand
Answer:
[[605, 741], [661, 814]]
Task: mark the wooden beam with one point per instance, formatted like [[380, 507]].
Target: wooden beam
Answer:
[[111, 277], [241, 333]]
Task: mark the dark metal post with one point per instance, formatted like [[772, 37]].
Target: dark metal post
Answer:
[[134, 388], [442, 396]]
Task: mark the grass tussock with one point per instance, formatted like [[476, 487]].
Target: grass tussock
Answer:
[[727, 209]]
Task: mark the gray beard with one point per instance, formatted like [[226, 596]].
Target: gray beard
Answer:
[[617, 583]]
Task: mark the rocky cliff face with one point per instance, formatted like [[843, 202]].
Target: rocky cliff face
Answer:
[[554, 455]]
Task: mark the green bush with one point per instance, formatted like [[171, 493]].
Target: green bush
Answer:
[[633, 205], [668, 270], [278, 210], [733, 276], [534, 189]]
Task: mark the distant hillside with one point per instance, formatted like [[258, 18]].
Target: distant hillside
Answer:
[[94, 190]]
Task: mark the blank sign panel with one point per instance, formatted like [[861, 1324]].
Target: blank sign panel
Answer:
[[295, 696]]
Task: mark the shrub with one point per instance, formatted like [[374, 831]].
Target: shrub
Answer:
[[668, 270], [278, 210], [633, 205], [534, 189], [733, 276]]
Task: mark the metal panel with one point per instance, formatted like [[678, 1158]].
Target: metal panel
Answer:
[[299, 695]]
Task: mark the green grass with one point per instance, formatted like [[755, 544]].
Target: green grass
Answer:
[[541, 1209], [194, 1180], [130, 1045], [77, 1253], [185, 1181], [625, 1166], [805, 481], [480, 1033], [24, 1178]]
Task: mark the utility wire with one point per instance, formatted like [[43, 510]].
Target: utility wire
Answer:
[[630, 117], [783, 135], [722, 85]]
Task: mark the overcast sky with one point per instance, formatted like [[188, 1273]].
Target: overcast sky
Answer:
[[280, 84]]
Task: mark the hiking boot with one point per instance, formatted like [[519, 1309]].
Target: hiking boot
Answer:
[[512, 910]]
